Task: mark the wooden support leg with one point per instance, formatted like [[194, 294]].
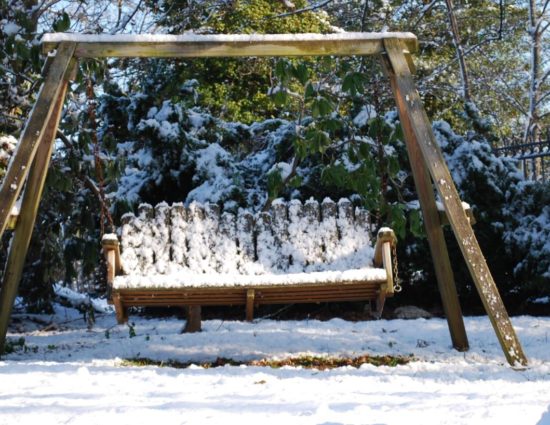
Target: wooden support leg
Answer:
[[193, 319], [420, 133], [121, 311], [250, 294], [33, 133], [380, 301], [432, 224], [29, 208]]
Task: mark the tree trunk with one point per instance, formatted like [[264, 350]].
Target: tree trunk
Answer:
[[532, 127]]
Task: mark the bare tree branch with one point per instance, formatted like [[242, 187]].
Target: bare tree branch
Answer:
[[305, 9]]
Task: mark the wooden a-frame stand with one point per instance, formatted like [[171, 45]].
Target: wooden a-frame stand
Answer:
[[31, 159]]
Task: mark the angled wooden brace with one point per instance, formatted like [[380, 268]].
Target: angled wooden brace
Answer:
[[35, 147], [425, 153], [432, 221]]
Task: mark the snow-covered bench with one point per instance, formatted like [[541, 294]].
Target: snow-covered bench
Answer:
[[295, 253]]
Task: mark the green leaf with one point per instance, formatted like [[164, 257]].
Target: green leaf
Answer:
[[310, 92], [274, 184], [295, 181], [321, 106], [280, 97], [318, 140], [300, 72], [415, 223], [354, 83], [393, 166], [331, 124], [398, 219], [364, 150], [335, 175], [283, 71], [62, 24]]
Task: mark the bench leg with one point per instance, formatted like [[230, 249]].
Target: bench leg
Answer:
[[380, 301], [193, 319], [250, 305], [120, 311]]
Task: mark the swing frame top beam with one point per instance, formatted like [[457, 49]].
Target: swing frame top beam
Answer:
[[31, 159], [227, 45]]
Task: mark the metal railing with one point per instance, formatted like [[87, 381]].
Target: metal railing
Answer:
[[534, 157]]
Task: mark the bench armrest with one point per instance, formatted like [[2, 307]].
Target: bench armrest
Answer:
[[111, 251], [385, 242]]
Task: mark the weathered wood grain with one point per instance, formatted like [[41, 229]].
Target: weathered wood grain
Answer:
[[419, 132], [29, 205], [20, 163], [227, 45], [432, 224]]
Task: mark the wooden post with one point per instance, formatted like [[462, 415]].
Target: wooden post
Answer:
[[193, 319], [250, 295], [32, 134], [432, 224], [419, 133], [121, 311], [29, 206]]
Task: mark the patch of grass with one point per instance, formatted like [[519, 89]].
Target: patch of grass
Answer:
[[306, 362], [17, 346], [13, 345]]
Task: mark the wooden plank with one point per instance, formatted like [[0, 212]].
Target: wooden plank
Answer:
[[226, 45], [432, 224], [445, 221], [39, 118], [410, 105], [29, 208]]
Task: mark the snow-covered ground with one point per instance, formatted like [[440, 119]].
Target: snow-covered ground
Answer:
[[68, 374]]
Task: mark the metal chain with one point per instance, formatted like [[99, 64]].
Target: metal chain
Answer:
[[397, 282]]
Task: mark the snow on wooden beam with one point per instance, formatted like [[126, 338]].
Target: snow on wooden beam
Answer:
[[225, 45]]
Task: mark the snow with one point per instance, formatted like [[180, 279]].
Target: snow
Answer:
[[214, 165], [183, 279], [224, 38], [10, 27], [367, 113], [76, 375], [199, 246]]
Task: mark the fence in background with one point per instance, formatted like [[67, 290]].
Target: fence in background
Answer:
[[534, 158]]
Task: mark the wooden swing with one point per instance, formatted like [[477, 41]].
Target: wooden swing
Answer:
[[202, 256], [31, 159]]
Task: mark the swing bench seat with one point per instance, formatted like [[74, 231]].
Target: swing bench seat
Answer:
[[295, 253]]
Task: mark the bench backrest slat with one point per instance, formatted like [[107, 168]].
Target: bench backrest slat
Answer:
[[291, 237]]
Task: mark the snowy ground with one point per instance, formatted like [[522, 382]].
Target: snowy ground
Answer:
[[72, 375]]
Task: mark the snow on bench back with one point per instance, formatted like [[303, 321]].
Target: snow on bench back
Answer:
[[291, 238]]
